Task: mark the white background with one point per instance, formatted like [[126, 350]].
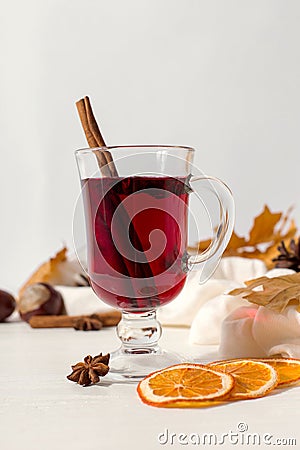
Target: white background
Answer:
[[221, 76]]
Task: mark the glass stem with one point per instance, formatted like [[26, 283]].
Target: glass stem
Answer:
[[139, 332]]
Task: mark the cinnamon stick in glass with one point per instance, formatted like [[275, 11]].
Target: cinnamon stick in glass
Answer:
[[94, 137], [108, 169]]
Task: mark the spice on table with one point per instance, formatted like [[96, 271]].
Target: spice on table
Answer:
[[90, 371], [107, 319], [88, 324]]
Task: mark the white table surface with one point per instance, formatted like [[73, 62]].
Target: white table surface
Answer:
[[41, 409]]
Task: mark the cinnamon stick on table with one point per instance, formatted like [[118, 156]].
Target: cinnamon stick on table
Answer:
[[108, 319]]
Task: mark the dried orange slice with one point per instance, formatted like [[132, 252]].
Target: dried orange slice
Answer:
[[185, 386], [252, 378], [288, 369]]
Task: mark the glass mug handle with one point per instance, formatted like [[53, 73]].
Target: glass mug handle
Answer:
[[210, 257]]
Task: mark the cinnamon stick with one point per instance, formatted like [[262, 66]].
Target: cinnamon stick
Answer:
[[108, 319], [94, 137], [107, 167]]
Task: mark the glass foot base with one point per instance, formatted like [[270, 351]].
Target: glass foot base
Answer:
[[131, 366]]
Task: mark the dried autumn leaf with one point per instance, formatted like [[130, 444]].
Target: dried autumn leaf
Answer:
[[275, 293], [58, 270], [236, 241], [234, 244], [263, 227], [267, 232]]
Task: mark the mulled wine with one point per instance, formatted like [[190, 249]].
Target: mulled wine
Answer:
[[136, 239]]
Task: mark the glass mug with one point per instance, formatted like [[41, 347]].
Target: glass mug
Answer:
[[136, 216]]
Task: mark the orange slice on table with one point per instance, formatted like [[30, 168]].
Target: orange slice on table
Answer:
[[252, 378], [288, 369], [185, 386]]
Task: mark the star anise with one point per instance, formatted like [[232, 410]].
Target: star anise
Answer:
[[90, 371], [288, 258], [88, 323]]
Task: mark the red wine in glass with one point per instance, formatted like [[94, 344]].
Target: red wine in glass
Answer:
[[137, 237]]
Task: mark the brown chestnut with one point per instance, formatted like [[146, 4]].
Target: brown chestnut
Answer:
[[39, 298], [7, 305]]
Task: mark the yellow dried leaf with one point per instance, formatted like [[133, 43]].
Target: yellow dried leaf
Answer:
[[275, 293], [57, 270], [263, 227], [267, 232], [236, 242]]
